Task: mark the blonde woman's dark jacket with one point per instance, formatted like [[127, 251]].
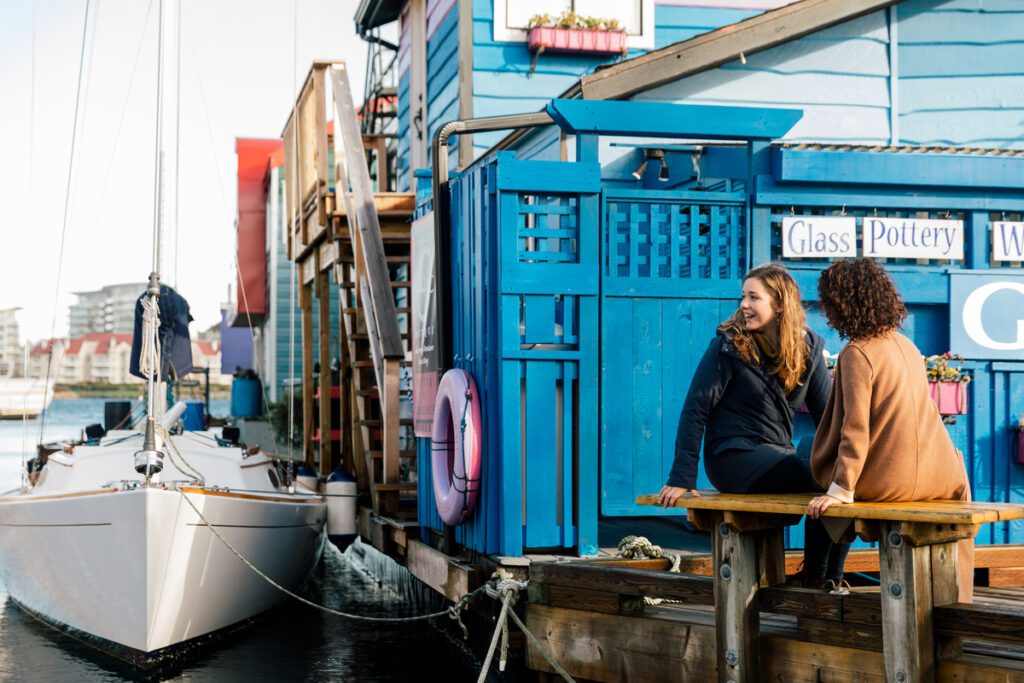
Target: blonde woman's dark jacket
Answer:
[[743, 415]]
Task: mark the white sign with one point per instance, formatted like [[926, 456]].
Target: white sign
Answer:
[[924, 238], [819, 236], [1007, 241]]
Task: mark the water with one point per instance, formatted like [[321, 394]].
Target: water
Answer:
[[290, 643]]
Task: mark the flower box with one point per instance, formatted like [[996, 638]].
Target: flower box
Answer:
[[950, 397], [590, 40]]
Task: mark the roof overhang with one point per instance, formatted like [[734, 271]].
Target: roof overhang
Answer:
[[665, 120], [373, 13]]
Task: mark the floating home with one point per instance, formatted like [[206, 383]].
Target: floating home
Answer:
[[568, 229]]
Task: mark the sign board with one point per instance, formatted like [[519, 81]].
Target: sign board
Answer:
[[819, 237], [914, 238], [424, 326], [986, 315], [1007, 241]]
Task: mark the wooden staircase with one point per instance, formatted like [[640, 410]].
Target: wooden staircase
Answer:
[[391, 495], [356, 239]]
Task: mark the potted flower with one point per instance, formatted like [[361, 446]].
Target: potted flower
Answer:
[[947, 383], [571, 32]]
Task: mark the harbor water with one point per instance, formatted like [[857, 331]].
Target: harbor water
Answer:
[[290, 643]]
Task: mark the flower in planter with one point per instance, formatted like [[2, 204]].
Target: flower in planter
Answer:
[[939, 369], [948, 383], [569, 19]]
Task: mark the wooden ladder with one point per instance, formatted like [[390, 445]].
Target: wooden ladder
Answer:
[[365, 421]]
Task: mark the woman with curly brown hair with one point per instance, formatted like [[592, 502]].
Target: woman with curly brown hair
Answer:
[[763, 365], [881, 437]]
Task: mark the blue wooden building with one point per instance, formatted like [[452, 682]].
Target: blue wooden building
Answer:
[[593, 256]]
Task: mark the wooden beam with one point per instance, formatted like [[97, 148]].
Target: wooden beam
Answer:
[[737, 627], [694, 590], [306, 308], [418, 130], [724, 45], [465, 54], [323, 293], [906, 607], [446, 576], [925, 512]]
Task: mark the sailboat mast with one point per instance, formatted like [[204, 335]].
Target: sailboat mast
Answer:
[[150, 461]]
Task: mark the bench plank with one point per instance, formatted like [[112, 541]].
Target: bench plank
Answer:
[[932, 512]]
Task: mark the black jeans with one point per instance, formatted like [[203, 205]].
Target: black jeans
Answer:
[[822, 558]]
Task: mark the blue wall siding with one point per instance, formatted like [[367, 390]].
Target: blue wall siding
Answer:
[[674, 24], [838, 76], [961, 73], [443, 74], [502, 83]]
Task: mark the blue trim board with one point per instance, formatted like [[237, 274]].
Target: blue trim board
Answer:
[[898, 168]]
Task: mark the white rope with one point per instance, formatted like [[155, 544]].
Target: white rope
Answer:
[[453, 611], [639, 548], [149, 356], [185, 467], [505, 588]]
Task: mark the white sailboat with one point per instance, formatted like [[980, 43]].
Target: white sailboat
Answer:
[[137, 541]]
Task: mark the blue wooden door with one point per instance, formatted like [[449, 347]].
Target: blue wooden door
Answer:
[[671, 266]]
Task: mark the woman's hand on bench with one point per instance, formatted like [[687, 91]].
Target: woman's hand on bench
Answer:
[[818, 505], [670, 494]]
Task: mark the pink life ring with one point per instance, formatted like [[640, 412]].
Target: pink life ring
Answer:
[[456, 447]]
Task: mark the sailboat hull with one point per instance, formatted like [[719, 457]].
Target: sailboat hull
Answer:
[[140, 569]]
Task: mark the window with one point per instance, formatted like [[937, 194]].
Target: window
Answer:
[[637, 16]]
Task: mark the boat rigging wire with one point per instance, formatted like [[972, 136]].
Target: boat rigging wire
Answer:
[[238, 267], [67, 203], [31, 171], [120, 119]]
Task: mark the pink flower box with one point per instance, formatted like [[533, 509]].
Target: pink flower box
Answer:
[[592, 40], [951, 397]]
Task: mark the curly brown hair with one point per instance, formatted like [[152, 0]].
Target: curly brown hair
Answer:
[[860, 299]]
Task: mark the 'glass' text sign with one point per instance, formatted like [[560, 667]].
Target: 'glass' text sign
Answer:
[[1007, 241], [918, 238], [819, 237]]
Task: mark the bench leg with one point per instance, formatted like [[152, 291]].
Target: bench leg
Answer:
[[907, 600], [736, 605]]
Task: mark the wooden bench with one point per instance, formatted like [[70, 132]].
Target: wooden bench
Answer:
[[917, 547]]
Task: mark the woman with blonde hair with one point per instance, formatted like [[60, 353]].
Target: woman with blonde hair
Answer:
[[761, 367]]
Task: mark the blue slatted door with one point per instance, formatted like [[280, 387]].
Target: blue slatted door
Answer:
[[988, 439], [671, 265], [548, 218]]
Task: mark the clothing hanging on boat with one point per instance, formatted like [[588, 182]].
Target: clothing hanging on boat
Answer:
[[175, 344]]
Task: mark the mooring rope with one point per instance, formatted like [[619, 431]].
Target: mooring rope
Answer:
[[504, 588], [640, 548]]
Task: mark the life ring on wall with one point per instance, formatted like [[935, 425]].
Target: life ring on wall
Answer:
[[456, 447]]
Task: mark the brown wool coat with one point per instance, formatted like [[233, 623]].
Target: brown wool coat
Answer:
[[881, 437]]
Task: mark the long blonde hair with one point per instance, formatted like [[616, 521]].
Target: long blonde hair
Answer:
[[792, 352]]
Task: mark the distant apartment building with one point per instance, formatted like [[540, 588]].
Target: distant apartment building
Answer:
[[40, 361], [11, 351], [110, 309]]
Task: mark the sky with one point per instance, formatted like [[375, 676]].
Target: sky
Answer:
[[240, 67]]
